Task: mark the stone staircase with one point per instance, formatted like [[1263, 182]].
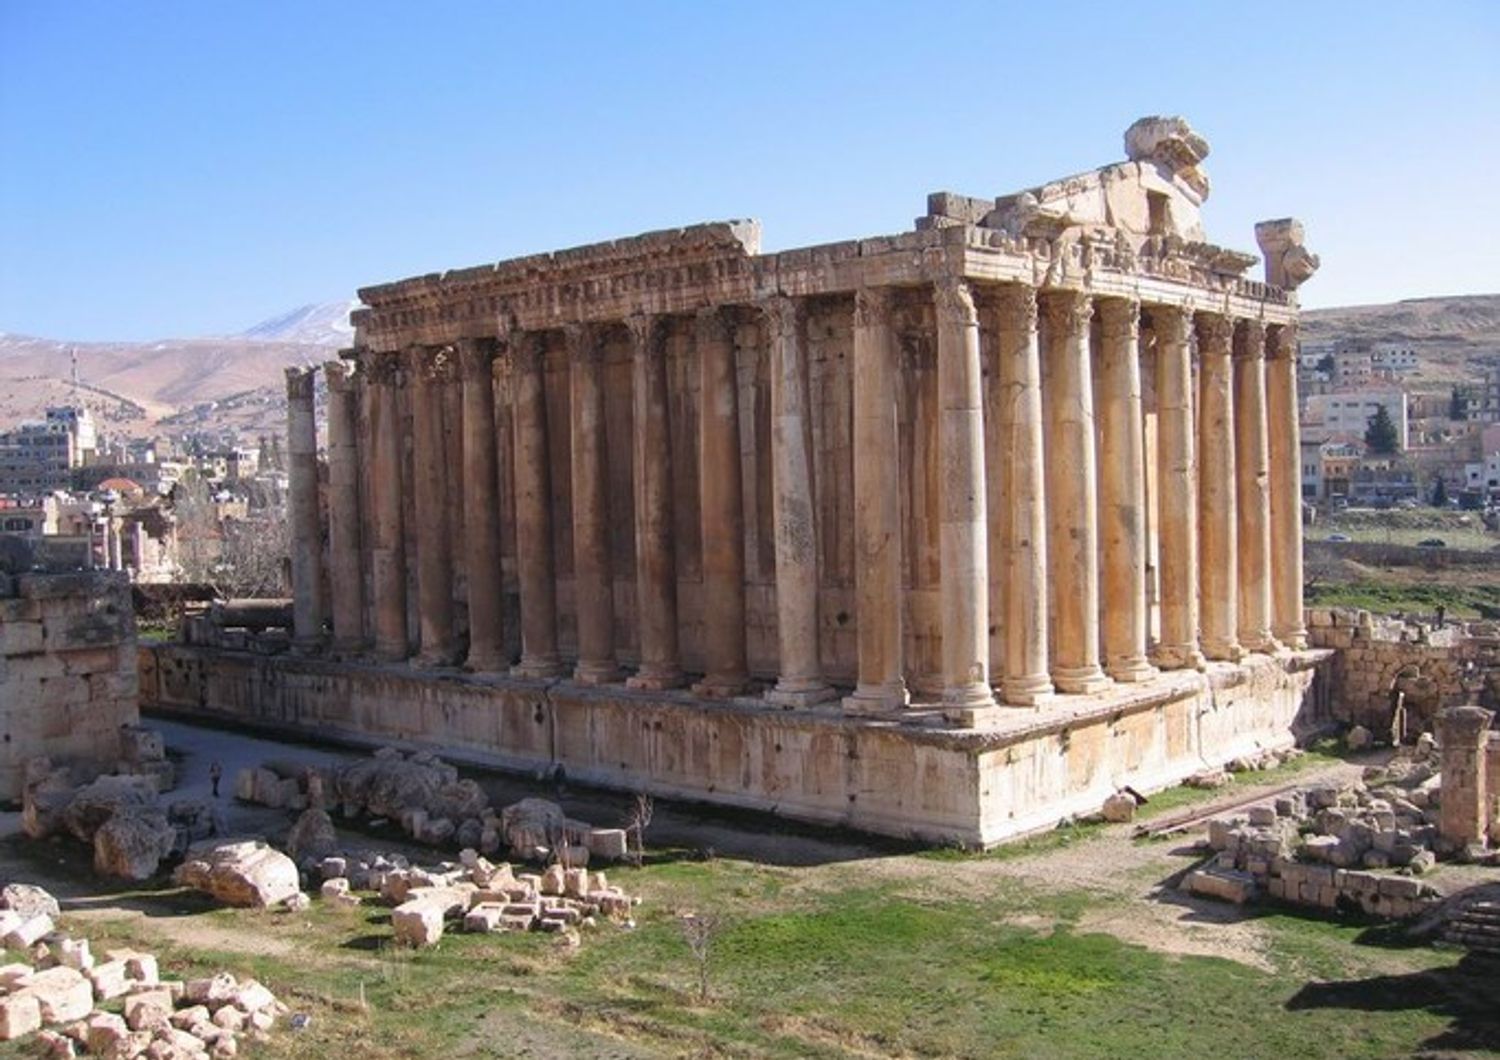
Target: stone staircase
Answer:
[[1476, 928]]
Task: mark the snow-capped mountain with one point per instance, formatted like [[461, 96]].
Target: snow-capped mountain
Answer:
[[318, 324]]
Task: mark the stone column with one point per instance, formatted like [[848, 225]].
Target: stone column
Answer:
[[1286, 487], [431, 369], [1463, 734], [346, 578], [1218, 600], [307, 533], [1072, 504], [1122, 491], [722, 509], [593, 584], [1252, 460], [964, 545], [801, 681], [1177, 473], [877, 508], [655, 552], [1020, 518], [481, 508], [534, 514], [388, 550]]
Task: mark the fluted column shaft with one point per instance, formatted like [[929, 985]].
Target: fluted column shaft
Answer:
[[801, 680], [593, 584], [1072, 508], [431, 370], [1122, 491], [482, 508], [534, 545], [346, 578], [1177, 476], [722, 510], [963, 545], [655, 552], [1252, 458], [1020, 518], [1286, 486], [307, 533], [388, 550], [1218, 598], [877, 508]]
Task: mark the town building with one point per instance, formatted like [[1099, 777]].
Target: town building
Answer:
[[1349, 412]]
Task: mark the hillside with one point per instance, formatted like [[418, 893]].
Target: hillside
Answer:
[[1456, 338]]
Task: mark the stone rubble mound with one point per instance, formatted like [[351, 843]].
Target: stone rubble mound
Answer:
[[72, 1003], [476, 894], [430, 803], [1354, 847], [121, 815]]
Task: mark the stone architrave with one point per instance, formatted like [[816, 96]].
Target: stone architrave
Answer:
[[481, 508], [593, 584], [1218, 598], [722, 514], [800, 682], [655, 548], [431, 371], [539, 658], [307, 532], [388, 548], [1122, 491], [1072, 505], [1464, 815], [877, 510], [1252, 488], [1287, 622], [1177, 473], [346, 580], [1020, 518], [964, 549]]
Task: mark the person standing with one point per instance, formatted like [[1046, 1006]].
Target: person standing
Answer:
[[215, 771]]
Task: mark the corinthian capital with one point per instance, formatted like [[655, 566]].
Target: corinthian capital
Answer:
[[299, 381], [872, 307], [644, 332], [1249, 340], [1214, 331], [783, 315], [1171, 324], [955, 301], [429, 365], [1281, 342], [1119, 319], [1068, 312], [476, 359], [340, 376], [1015, 308]]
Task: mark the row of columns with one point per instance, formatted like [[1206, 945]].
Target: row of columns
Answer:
[[1034, 526]]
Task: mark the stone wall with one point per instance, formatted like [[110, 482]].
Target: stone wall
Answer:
[[1431, 667], [1380, 554], [68, 673]]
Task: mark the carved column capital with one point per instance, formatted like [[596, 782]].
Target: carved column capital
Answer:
[[340, 375], [644, 332], [1281, 342], [1119, 319], [299, 381], [582, 342], [430, 365], [955, 301], [523, 351], [1171, 324], [873, 307], [475, 359], [1250, 341], [380, 367], [714, 323], [1068, 312], [1214, 331], [783, 314], [1016, 307]]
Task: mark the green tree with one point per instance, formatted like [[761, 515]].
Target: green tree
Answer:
[[1380, 435], [1457, 405], [1440, 493]]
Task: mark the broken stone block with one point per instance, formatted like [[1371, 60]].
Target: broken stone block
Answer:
[[56, 1044], [244, 785], [244, 873], [20, 1013], [251, 997], [1119, 808], [28, 900], [105, 1029], [185, 1018], [61, 993], [74, 953], [15, 975], [212, 991], [28, 932], [148, 1009], [1262, 816], [1236, 887], [334, 887], [552, 880], [108, 979], [484, 918], [607, 844], [575, 882], [418, 922]]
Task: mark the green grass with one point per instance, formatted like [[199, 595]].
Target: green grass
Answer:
[[1460, 601]]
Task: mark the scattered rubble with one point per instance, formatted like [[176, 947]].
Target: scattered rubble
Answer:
[[243, 872], [59, 995]]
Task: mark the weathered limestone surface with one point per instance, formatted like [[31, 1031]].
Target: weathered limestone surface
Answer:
[[68, 670], [302, 505]]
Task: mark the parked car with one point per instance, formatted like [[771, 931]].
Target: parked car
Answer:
[[1337, 537], [1432, 542]]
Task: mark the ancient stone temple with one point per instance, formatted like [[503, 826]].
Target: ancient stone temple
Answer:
[[946, 533]]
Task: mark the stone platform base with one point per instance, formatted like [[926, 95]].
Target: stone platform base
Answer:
[[1017, 771]]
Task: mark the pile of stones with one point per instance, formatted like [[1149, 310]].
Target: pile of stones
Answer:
[[477, 894], [425, 797], [1334, 847], [118, 1007]]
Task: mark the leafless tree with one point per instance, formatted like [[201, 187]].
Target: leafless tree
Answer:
[[637, 823], [700, 929]]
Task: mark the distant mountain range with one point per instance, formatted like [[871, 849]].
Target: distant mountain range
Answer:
[[142, 388]]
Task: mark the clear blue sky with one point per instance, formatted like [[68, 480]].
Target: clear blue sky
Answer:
[[190, 168]]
